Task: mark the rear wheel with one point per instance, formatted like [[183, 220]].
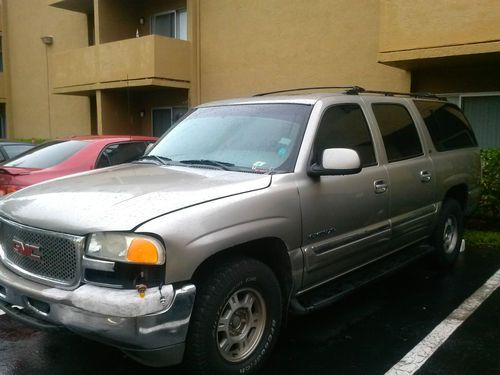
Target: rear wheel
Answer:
[[447, 238], [235, 320]]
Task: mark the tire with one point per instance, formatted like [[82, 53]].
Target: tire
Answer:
[[235, 321], [447, 237]]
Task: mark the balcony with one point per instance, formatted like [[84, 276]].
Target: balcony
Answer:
[[83, 6], [422, 34], [147, 61]]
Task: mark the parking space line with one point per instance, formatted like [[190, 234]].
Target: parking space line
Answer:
[[412, 361], [1, 312]]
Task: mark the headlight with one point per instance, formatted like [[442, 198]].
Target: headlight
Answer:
[[126, 247]]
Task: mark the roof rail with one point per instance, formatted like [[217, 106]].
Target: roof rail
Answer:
[[352, 90], [410, 94], [356, 90]]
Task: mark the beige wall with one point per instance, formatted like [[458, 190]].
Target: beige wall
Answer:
[[264, 45], [420, 29], [31, 110]]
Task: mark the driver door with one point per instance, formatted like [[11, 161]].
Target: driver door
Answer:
[[345, 219]]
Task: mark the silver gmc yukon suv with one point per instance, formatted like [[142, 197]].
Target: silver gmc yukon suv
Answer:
[[243, 212]]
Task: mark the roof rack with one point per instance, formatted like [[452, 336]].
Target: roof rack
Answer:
[[410, 94], [356, 90], [349, 90]]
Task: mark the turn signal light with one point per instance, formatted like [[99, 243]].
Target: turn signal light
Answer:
[[142, 251]]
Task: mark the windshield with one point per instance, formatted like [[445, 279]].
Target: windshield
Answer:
[[261, 138], [47, 154]]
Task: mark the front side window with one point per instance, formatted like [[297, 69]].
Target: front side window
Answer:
[[119, 153], [447, 125], [345, 126], [260, 138], [398, 130], [47, 154]]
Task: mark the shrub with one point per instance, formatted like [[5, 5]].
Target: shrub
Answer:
[[489, 205]]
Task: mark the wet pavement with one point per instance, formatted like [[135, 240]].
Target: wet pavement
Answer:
[[365, 333]]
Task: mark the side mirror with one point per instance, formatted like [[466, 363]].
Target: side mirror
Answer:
[[336, 162]]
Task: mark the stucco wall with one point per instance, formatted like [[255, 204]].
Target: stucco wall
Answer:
[[31, 110], [424, 29], [263, 45]]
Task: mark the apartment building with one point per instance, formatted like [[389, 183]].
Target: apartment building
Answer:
[[136, 66]]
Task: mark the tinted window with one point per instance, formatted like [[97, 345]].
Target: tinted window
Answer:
[[47, 154], [119, 153], [14, 150], [447, 125], [400, 135], [344, 126]]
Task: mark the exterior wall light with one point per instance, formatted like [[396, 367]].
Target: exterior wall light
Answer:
[[142, 113], [47, 40]]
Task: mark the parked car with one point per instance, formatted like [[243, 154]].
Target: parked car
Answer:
[[61, 157], [245, 211], [9, 150]]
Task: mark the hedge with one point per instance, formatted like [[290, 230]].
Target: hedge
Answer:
[[489, 205]]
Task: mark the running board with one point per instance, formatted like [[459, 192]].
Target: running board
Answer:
[[334, 290]]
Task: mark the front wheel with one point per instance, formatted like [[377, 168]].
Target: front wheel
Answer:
[[235, 320], [447, 237]]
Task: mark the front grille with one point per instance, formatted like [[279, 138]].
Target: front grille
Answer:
[[56, 261]]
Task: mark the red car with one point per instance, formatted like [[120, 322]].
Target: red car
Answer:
[[66, 156]]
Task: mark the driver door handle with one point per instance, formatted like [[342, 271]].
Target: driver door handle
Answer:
[[380, 186]]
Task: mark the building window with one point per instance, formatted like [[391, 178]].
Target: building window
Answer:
[[171, 24]]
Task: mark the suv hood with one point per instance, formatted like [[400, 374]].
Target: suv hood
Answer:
[[122, 197]]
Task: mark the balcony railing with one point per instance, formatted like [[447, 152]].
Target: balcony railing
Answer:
[[149, 60]]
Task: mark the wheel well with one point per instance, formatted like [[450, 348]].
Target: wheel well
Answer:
[[459, 193], [270, 251]]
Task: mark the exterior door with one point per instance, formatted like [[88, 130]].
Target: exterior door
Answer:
[[345, 218], [164, 118]]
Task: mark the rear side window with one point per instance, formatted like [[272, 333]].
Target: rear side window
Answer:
[[47, 154], [14, 150], [119, 153], [345, 126], [447, 125], [399, 133]]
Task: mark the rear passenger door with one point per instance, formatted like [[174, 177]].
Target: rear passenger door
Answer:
[[410, 169]]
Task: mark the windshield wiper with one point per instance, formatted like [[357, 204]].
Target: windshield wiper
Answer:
[[162, 159], [213, 163]]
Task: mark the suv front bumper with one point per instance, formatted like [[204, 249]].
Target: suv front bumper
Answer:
[[150, 330]]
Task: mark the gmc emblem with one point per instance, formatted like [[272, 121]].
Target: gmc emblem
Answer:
[[30, 251]]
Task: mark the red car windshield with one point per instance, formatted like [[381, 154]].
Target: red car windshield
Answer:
[[47, 154]]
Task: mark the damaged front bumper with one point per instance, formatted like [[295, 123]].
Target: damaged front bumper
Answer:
[[152, 329]]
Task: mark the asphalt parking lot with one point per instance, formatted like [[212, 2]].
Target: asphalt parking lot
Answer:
[[368, 332]]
